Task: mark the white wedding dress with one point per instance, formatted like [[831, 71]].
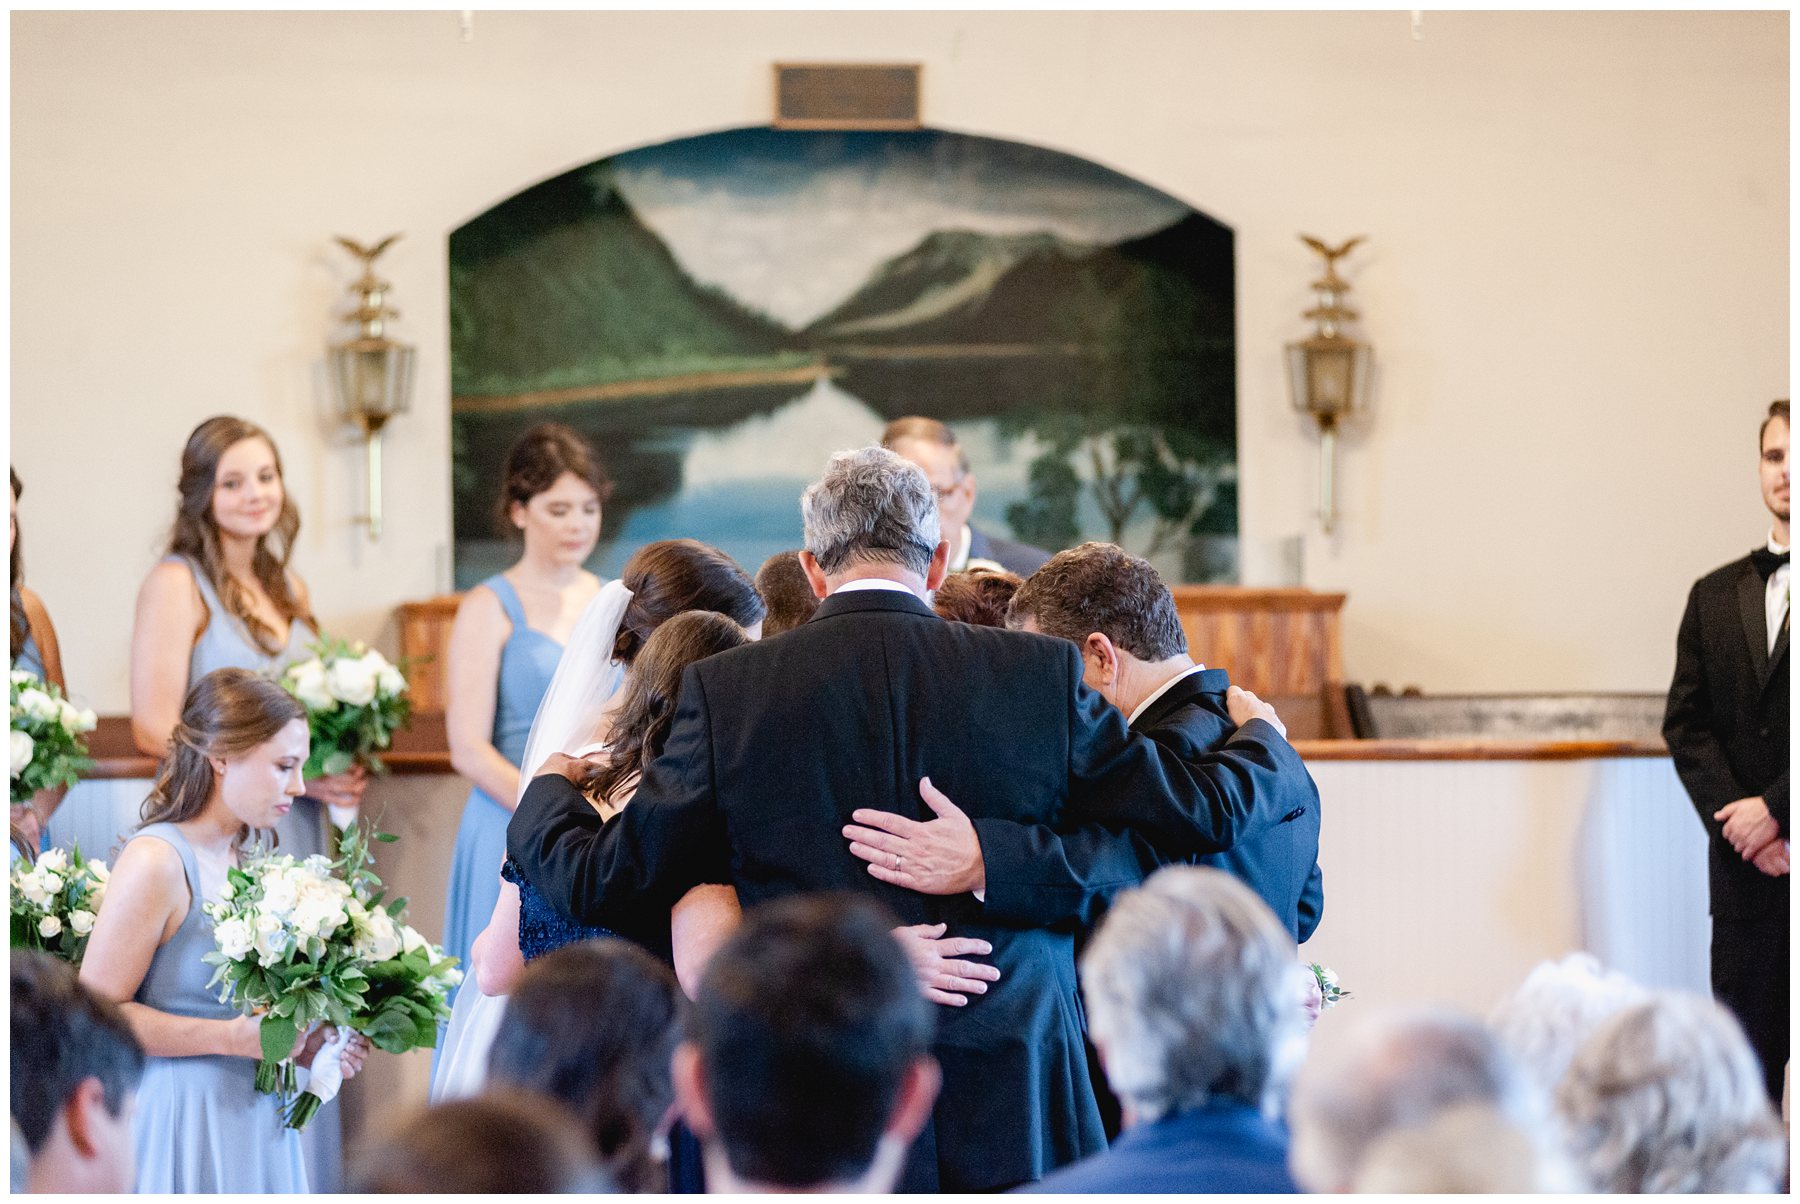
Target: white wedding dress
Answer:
[[585, 681]]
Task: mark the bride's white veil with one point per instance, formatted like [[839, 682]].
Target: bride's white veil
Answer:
[[586, 678]]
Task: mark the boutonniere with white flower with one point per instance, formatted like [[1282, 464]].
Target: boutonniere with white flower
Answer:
[[355, 700], [54, 902], [1329, 991], [46, 740]]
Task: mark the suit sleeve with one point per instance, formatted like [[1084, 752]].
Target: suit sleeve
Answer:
[[631, 869], [1776, 795], [1312, 904], [1134, 804], [1688, 728]]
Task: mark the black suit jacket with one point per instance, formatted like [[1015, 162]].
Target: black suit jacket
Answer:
[[775, 744], [1020, 558], [1727, 724], [1282, 864]]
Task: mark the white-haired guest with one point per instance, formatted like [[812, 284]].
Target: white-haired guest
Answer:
[[1466, 1149], [1558, 1006], [1190, 987], [1667, 1096], [1395, 1070]]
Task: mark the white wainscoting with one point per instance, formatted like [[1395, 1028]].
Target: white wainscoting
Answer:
[[1449, 880]]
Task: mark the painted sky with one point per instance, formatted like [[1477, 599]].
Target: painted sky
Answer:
[[792, 222]]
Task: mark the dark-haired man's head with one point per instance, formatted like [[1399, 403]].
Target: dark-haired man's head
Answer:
[[808, 1063], [1772, 440], [593, 1025], [504, 1142], [789, 595], [75, 1071], [1116, 609]]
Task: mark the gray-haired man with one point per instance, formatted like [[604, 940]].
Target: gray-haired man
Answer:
[[775, 744]]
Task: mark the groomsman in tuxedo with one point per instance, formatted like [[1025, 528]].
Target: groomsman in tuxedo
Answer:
[[1727, 730], [933, 447], [775, 744]]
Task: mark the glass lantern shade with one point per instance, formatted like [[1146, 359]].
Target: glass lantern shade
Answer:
[[1328, 376], [372, 379]]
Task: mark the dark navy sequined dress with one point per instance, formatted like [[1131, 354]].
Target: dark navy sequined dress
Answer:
[[542, 928]]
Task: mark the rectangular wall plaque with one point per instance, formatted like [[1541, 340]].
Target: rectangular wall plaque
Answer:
[[847, 96]]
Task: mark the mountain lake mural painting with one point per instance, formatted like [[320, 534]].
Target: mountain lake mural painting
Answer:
[[721, 313]]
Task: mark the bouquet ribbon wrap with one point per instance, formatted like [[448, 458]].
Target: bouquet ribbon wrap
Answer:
[[324, 1082]]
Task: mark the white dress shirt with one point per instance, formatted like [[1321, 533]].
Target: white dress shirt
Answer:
[[1775, 594], [873, 583], [1160, 691]]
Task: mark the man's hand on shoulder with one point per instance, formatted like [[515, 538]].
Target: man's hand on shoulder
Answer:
[[941, 856], [1243, 706]]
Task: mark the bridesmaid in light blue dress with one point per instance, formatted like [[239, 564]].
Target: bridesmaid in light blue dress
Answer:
[[224, 597], [508, 635], [34, 650], [200, 1125]]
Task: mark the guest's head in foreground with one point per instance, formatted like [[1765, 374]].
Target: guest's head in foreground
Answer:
[[808, 1064], [1546, 1019], [1191, 985], [976, 596], [234, 499], [675, 575], [871, 515], [235, 755], [933, 447], [593, 1025], [1772, 442], [504, 1142], [651, 690], [551, 491], [75, 1071], [1667, 1096], [1116, 609], [789, 595], [1395, 1070], [1466, 1149]]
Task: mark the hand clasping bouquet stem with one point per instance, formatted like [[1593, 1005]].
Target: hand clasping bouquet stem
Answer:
[[307, 942], [47, 748], [355, 700], [54, 902]]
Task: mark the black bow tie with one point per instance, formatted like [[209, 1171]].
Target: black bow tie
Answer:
[[1767, 562]]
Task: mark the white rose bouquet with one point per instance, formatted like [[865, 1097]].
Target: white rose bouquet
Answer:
[[47, 745], [305, 942], [355, 701], [54, 902]]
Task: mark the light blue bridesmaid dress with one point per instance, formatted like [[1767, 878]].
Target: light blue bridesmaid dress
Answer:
[[32, 661], [527, 663], [200, 1124]]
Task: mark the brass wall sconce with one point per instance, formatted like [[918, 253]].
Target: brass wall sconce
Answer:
[[371, 374], [1328, 374]]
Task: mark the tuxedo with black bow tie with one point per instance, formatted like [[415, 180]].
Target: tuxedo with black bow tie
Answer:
[[1727, 730]]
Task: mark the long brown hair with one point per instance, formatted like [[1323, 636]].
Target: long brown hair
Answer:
[[196, 532], [674, 575], [227, 713], [21, 625], [651, 690]]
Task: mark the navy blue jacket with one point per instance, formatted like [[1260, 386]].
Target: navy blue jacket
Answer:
[[1282, 864], [1222, 1147]]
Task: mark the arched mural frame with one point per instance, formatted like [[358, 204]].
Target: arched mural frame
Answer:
[[1103, 352]]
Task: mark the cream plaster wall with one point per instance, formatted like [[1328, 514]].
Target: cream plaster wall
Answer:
[[1576, 282]]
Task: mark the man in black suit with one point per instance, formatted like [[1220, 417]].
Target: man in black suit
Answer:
[[933, 447], [1727, 730], [1115, 608], [773, 745]]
